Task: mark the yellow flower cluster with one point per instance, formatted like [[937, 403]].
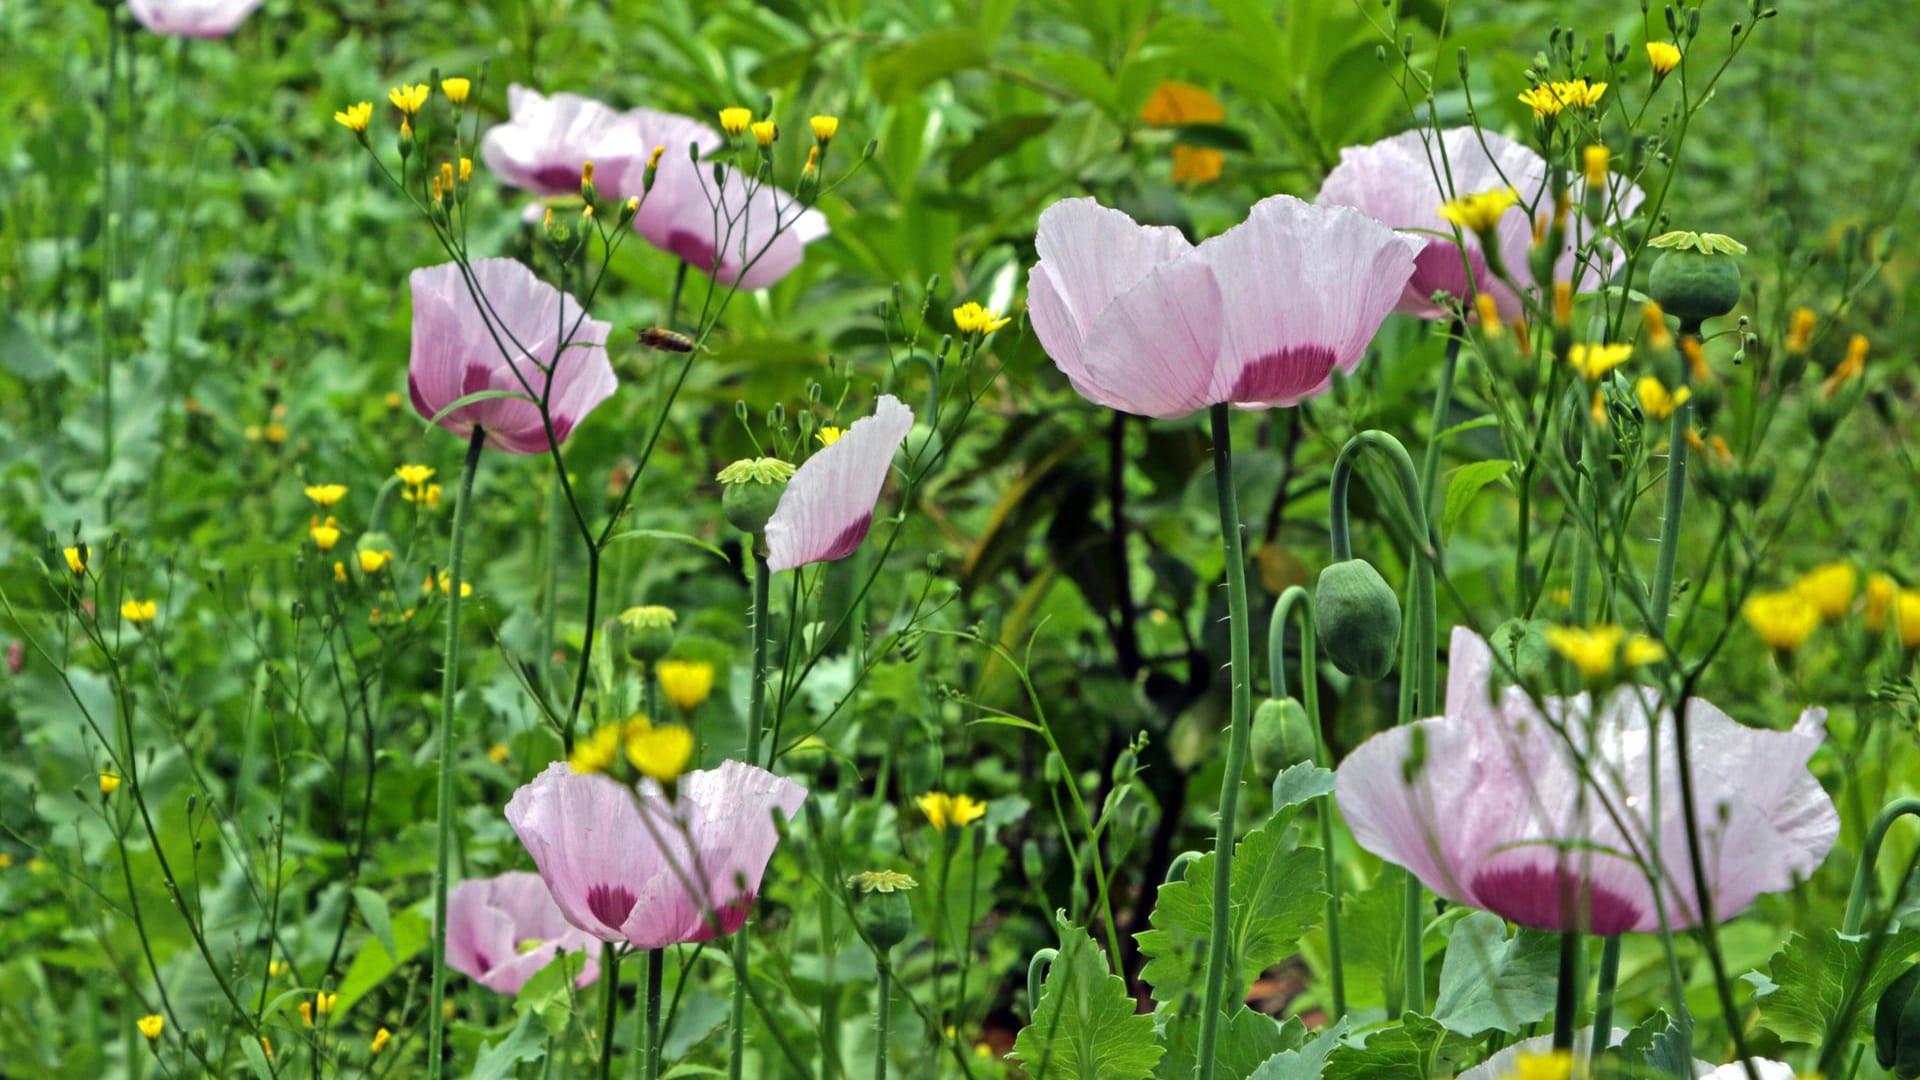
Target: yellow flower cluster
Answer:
[[1600, 650], [660, 751], [139, 611], [1549, 99], [1592, 362], [1481, 211], [1786, 618], [943, 809], [971, 318]]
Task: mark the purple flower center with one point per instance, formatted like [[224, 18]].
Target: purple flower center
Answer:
[[697, 250], [1438, 268], [484, 961], [1284, 374], [557, 179], [1539, 896], [849, 539], [611, 904]]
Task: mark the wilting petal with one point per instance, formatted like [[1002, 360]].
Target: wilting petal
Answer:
[[546, 140], [1543, 818], [502, 930], [457, 352], [192, 18], [1303, 289], [828, 505]]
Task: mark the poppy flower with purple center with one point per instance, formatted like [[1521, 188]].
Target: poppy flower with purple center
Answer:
[[827, 508], [502, 930]]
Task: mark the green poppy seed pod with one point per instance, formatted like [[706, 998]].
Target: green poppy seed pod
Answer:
[[749, 506], [1282, 736], [1359, 619], [1896, 1026], [1694, 285], [887, 917]]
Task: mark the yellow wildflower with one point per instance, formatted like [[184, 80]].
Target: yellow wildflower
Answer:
[[356, 117], [409, 99], [325, 534], [109, 783], [1562, 303], [466, 169], [76, 558], [685, 682], [764, 132], [445, 584], [1906, 617], [276, 968], [1783, 619], [1663, 57], [659, 752], [151, 1026], [829, 435], [1557, 1065], [456, 89], [339, 570], [266, 1045], [1848, 368], [1829, 588], [1489, 311], [323, 1002], [1174, 103], [139, 611], [825, 127], [1658, 336], [735, 120], [1596, 160], [943, 809], [1481, 211], [596, 752], [6, 860], [1597, 650], [380, 1040], [971, 318], [1656, 400], [325, 495], [1800, 329], [1593, 362], [427, 496], [1579, 94], [371, 562], [306, 1014], [414, 476], [498, 753], [1197, 164], [1881, 591], [1543, 100]]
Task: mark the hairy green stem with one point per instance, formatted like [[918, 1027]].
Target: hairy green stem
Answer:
[[1566, 998], [882, 1014], [443, 821], [1442, 397], [1296, 599], [1603, 1001], [610, 981], [756, 707], [1240, 672]]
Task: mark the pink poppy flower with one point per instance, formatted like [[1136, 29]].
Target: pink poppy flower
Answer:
[[1499, 816], [627, 865], [1140, 320], [1403, 183], [827, 507], [546, 140], [192, 18], [738, 232], [455, 354], [502, 930]]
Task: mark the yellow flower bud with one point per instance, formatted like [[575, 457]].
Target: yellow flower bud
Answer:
[[456, 89], [734, 120], [764, 132], [825, 127], [1663, 57]]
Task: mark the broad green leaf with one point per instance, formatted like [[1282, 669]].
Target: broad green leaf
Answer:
[[1306, 1063], [1085, 1027], [1465, 483], [1811, 977], [1247, 1038], [1298, 783], [549, 993], [907, 67], [373, 908], [1420, 1048], [993, 142], [374, 962], [1489, 982], [1662, 1044], [526, 1042], [1276, 896]]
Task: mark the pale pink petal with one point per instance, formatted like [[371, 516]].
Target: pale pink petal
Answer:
[[504, 929], [1304, 288], [1152, 349], [192, 18], [740, 231], [1769, 1070], [546, 141], [827, 507], [585, 835]]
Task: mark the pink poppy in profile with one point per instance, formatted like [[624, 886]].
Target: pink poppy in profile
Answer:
[[1403, 182], [547, 140], [1140, 320], [502, 930], [827, 507], [631, 865], [192, 18], [455, 354], [1498, 815], [740, 231]]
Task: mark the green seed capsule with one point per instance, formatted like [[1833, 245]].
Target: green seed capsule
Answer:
[[1694, 285], [1282, 736], [1359, 619]]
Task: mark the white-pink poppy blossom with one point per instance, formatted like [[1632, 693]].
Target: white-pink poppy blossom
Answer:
[[739, 231], [827, 507], [1140, 320], [457, 351], [1404, 180], [546, 141], [1488, 806], [192, 18], [502, 930], [632, 865]]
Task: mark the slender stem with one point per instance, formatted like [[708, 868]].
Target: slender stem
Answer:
[[883, 1012], [1240, 671], [656, 975], [1442, 398], [1566, 998], [449, 690], [1676, 501], [1296, 599], [108, 215], [679, 283], [756, 709], [610, 981], [1856, 915], [1603, 1001]]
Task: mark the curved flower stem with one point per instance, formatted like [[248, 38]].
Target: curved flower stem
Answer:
[[1419, 675], [610, 981], [883, 1012], [756, 707], [1442, 397], [1603, 1001], [449, 690], [1240, 674], [1856, 915], [1296, 599]]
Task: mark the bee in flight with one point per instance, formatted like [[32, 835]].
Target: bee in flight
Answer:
[[657, 337]]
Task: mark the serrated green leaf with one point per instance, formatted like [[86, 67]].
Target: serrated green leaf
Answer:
[[526, 1042], [1307, 1062], [1464, 484], [1420, 1048], [1811, 977], [1298, 783], [1489, 982], [1662, 1044], [1247, 1038], [1085, 1026]]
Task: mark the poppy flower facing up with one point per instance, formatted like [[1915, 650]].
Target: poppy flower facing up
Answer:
[[648, 870], [1403, 183], [1140, 320], [503, 930], [827, 507], [1487, 806], [192, 18], [457, 352]]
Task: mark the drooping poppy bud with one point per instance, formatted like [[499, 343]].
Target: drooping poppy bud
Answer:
[[1358, 617]]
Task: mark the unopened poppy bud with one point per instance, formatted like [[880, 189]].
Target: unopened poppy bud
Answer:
[[1695, 285], [648, 630], [1359, 619], [1896, 1026], [1282, 736]]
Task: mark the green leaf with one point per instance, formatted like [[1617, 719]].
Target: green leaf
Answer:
[[1418, 1049], [1276, 896], [476, 398], [1811, 978], [1662, 1044], [373, 908], [667, 534], [1247, 1038], [1085, 1026], [548, 995], [995, 141], [526, 1042], [1466, 426], [1306, 1063], [1491, 983], [372, 965], [1465, 483], [1298, 783], [1216, 136], [907, 67]]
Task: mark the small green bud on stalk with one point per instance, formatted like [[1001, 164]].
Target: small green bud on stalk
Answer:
[[1358, 616], [1282, 736]]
